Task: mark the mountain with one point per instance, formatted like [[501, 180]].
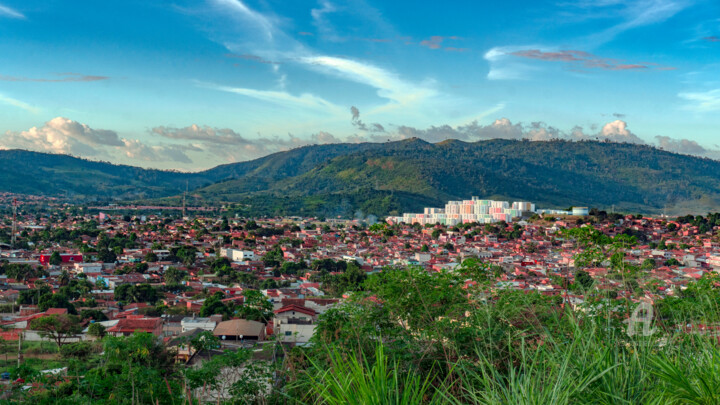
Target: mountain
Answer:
[[408, 175], [37, 173], [395, 177]]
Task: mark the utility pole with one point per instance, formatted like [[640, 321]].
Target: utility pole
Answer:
[[19, 356], [14, 223]]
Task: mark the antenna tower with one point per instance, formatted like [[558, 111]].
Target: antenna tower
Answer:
[[184, 197]]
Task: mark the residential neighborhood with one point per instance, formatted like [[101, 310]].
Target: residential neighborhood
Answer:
[[73, 277]]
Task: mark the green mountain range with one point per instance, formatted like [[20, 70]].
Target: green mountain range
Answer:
[[396, 177]]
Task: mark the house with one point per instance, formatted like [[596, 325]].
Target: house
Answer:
[[240, 329], [190, 322], [237, 255], [136, 323], [294, 323], [65, 257]]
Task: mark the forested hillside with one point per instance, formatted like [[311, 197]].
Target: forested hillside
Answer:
[[412, 174], [395, 177]]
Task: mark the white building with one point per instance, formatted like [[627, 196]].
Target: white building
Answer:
[[190, 323], [294, 324], [473, 210], [237, 255]]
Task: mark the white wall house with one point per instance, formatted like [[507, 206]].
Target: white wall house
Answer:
[[237, 255]]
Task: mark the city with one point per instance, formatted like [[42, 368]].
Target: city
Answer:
[[256, 283]]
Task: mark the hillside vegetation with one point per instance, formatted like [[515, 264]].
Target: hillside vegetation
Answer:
[[413, 174], [396, 177]]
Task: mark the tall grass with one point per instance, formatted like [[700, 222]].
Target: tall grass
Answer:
[[566, 358], [354, 380]]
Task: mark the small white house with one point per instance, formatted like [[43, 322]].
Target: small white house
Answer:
[[190, 323], [237, 255]]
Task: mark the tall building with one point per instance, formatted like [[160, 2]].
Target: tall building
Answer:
[[473, 210]]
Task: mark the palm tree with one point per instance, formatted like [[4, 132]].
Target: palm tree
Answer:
[[64, 278]]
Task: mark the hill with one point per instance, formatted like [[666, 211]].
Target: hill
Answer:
[[409, 175], [395, 177]]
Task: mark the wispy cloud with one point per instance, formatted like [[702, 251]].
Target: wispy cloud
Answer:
[[261, 21], [436, 41], [702, 101], [505, 62], [252, 58], [582, 59], [308, 101], [19, 104], [503, 66], [320, 21], [629, 14], [388, 84], [64, 77], [6, 11]]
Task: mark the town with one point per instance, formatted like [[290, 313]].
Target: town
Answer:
[[71, 276]]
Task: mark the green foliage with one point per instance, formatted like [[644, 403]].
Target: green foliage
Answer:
[[77, 350], [584, 279], [129, 293], [256, 307], [97, 330], [57, 327], [213, 305], [55, 258], [357, 380], [243, 380], [173, 275]]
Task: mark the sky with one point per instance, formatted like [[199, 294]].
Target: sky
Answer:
[[191, 84]]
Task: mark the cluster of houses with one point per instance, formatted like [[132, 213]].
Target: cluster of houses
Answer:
[[538, 258]]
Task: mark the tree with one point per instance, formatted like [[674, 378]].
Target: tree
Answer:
[[93, 314], [57, 327], [55, 259], [106, 255], [214, 306], [151, 257], [256, 307], [648, 264], [64, 278], [174, 275], [97, 330], [205, 341], [584, 279], [57, 300], [232, 377], [424, 248]]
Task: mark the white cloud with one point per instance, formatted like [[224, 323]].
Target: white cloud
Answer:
[[62, 135], [19, 104], [307, 100], [388, 84], [622, 15], [135, 149], [6, 11], [617, 131], [702, 101], [319, 20], [262, 22], [503, 66], [65, 136]]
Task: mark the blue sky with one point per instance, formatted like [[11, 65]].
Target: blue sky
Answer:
[[191, 84]]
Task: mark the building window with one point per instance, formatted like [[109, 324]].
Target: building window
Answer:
[[288, 333]]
